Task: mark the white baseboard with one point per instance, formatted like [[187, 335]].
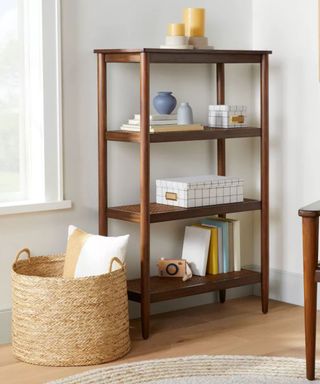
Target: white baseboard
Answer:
[[5, 326], [284, 286]]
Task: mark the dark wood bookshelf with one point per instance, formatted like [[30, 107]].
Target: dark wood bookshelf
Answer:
[[149, 289], [164, 137], [161, 212], [166, 288]]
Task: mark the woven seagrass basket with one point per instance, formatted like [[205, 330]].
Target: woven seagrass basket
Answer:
[[67, 322]]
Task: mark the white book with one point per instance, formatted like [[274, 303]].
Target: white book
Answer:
[[163, 128], [236, 245], [158, 117], [196, 248], [154, 122], [130, 127]]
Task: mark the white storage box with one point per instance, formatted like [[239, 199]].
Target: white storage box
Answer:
[[198, 191], [227, 116]]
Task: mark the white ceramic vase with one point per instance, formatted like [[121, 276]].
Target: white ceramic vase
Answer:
[[184, 114]]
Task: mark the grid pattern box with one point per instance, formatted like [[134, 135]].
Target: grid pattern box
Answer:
[[227, 116], [199, 191]]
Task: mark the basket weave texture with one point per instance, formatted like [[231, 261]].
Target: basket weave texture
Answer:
[[67, 322]]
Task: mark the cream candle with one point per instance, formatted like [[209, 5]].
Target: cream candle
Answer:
[[194, 19], [175, 29]]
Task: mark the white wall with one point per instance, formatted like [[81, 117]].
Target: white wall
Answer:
[[86, 25], [289, 28]]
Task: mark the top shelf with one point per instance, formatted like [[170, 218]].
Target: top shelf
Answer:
[[206, 134], [157, 55]]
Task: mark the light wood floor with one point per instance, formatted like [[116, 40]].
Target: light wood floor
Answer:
[[236, 327]]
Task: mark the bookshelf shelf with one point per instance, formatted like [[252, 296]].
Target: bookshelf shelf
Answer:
[[161, 212], [206, 134], [199, 56], [166, 288], [149, 289]]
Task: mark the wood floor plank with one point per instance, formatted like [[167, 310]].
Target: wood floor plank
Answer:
[[237, 327]]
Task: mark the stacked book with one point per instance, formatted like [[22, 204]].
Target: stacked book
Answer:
[[213, 246], [160, 123]]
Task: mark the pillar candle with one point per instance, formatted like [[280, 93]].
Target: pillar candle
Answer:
[[175, 30], [194, 21]]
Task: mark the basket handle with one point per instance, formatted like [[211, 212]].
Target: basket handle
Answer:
[[23, 250], [117, 260]]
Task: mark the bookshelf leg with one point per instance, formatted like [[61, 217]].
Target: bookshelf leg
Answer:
[[264, 92], [310, 259], [102, 149], [145, 319], [144, 195], [221, 145], [222, 296]]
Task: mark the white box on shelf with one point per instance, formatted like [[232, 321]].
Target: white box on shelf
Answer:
[[198, 191], [227, 116]]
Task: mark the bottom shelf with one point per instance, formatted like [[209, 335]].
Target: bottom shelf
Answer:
[[166, 288]]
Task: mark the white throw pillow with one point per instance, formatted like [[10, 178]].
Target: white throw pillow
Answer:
[[91, 255]]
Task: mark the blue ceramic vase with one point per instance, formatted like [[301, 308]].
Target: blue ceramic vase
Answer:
[[164, 103], [184, 114]]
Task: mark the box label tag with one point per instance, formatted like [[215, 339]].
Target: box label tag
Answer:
[[171, 196], [237, 119]]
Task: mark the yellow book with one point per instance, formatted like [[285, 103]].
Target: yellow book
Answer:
[[213, 265], [213, 257]]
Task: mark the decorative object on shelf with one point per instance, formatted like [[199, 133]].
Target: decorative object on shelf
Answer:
[[91, 255], [184, 114], [174, 268], [200, 42], [227, 116], [176, 38], [198, 191], [190, 34], [164, 103], [59, 321], [194, 22], [177, 42], [176, 29]]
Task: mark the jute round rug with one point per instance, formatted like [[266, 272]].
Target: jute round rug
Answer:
[[199, 370]]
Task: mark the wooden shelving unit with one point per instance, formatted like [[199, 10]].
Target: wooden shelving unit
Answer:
[[150, 289]]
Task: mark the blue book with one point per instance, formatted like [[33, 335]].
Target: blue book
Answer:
[[224, 226]]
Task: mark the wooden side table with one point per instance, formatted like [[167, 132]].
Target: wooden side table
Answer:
[[311, 274]]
